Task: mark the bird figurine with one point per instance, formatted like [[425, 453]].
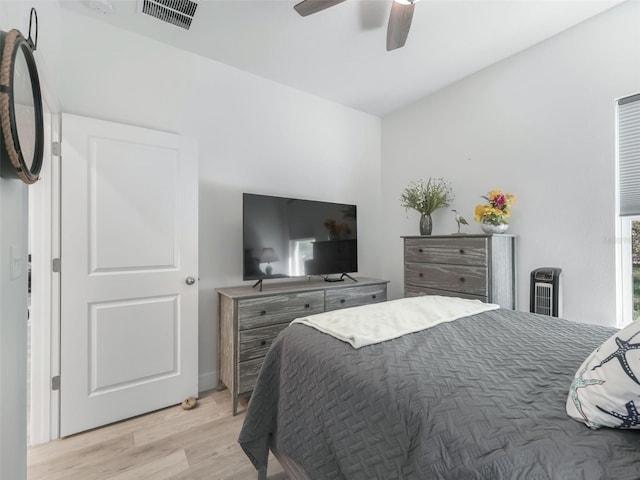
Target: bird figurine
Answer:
[[459, 220]]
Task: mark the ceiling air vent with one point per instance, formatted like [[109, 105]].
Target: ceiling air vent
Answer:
[[175, 12]]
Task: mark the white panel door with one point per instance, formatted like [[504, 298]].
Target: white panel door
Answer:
[[129, 310]]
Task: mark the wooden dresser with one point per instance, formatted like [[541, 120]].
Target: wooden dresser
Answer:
[[467, 266], [249, 320]]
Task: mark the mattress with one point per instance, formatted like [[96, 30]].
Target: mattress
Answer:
[[482, 397]]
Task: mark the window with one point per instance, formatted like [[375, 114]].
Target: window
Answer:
[[629, 271], [635, 265], [628, 146]]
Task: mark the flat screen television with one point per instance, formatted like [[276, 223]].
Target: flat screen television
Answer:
[[291, 237]]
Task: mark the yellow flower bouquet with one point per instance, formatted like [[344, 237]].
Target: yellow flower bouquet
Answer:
[[498, 209]]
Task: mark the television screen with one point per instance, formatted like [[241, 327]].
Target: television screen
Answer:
[[290, 237]]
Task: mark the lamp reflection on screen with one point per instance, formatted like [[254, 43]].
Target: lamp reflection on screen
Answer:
[[268, 256]]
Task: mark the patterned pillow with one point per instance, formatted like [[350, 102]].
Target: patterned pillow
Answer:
[[606, 389]]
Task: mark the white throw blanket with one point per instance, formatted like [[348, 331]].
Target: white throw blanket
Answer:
[[379, 322]]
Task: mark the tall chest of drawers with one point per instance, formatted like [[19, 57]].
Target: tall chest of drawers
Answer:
[[249, 321], [469, 266]]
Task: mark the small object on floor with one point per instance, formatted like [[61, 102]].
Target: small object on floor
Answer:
[[190, 403]]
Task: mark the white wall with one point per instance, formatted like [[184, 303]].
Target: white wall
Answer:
[[254, 136], [13, 320], [541, 125], [13, 330]]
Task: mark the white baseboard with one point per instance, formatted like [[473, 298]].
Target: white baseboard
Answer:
[[207, 381]]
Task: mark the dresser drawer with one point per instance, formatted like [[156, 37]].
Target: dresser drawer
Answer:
[[355, 296], [270, 310], [415, 291], [248, 373], [453, 251], [255, 342], [453, 278]]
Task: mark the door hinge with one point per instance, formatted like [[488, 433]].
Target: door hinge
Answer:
[[55, 383], [56, 149], [55, 265]]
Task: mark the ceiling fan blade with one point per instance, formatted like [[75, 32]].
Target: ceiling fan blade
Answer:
[[399, 24], [307, 7]]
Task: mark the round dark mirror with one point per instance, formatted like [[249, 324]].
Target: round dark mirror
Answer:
[[23, 105], [21, 118]]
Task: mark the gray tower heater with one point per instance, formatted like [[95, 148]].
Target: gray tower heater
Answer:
[[546, 291]]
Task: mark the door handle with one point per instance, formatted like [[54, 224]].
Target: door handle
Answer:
[[190, 280]]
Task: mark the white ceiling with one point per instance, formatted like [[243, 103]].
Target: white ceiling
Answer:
[[339, 54]]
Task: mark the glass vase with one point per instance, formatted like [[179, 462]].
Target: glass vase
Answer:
[[426, 225]]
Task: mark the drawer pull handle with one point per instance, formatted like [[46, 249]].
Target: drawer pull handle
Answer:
[[373, 296], [263, 312], [342, 300], [306, 305], [420, 250], [421, 274], [263, 342], [462, 279], [462, 251]]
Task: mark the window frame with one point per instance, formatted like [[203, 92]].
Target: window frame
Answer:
[[624, 255], [625, 271]]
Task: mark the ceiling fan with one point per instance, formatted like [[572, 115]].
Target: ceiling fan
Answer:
[[399, 19]]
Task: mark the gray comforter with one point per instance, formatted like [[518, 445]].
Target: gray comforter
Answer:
[[482, 397]]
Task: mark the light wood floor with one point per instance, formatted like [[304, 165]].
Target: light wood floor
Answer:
[[170, 444]]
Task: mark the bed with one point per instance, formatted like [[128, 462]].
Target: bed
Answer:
[[481, 397]]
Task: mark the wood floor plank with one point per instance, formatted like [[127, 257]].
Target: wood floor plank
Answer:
[[60, 464], [79, 442], [185, 420], [169, 444], [161, 469]]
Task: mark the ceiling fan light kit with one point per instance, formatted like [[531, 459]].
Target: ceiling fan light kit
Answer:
[[399, 18]]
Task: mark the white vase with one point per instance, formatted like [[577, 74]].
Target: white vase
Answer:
[[491, 228]]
